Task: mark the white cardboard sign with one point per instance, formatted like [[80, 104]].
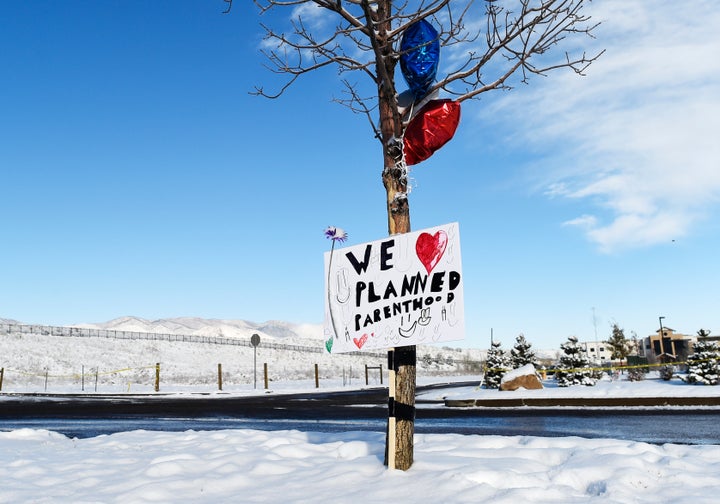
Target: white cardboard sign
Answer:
[[406, 289]]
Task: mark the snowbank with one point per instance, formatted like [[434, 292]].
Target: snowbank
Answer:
[[290, 466]]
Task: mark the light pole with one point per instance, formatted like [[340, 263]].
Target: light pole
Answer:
[[597, 344], [662, 334]]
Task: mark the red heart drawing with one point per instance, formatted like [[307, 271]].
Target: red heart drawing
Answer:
[[430, 248], [360, 342]]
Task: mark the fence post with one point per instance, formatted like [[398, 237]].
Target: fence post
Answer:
[[46, 378], [157, 377], [2, 374], [317, 378], [219, 376], [266, 375], [367, 382]]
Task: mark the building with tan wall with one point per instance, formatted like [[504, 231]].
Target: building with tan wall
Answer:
[[671, 346]]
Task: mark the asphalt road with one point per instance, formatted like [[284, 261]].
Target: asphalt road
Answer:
[[90, 415], [365, 403], [328, 405]]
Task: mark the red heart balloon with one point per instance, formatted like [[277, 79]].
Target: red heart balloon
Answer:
[[431, 128]]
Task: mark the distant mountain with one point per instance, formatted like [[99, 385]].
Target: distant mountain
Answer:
[[213, 327], [273, 330]]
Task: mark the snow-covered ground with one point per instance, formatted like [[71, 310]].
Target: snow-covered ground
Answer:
[[45, 363], [291, 466], [651, 387]]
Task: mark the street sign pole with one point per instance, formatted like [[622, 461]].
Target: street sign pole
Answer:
[[255, 341]]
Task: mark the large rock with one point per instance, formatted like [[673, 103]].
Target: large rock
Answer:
[[525, 377]]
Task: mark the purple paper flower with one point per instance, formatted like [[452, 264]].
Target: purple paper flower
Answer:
[[335, 234]]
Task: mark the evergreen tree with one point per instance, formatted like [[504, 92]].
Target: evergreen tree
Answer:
[[574, 368], [521, 354], [497, 365], [621, 347], [704, 363], [636, 374]]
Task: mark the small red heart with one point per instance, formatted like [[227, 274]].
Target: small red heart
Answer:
[[360, 342], [430, 248]]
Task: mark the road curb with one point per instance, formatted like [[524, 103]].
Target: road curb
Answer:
[[590, 402]]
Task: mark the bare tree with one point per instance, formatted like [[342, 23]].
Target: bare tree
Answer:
[[487, 45]]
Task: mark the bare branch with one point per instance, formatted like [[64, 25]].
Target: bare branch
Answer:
[[359, 105], [517, 39]]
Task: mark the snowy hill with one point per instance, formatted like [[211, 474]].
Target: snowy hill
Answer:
[[35, 356], [212, 327]]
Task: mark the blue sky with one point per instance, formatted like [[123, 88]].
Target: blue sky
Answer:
[[139, 176]]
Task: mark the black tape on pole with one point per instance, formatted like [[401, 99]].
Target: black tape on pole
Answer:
[[403, 356], [400, 410]]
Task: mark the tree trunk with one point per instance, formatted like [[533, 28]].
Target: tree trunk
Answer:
[[399, 451], [401, 361]]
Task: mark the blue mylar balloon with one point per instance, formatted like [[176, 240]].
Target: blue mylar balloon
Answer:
[[420, 53]]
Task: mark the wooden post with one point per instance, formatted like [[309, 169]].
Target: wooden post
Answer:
[[265, 372], [401, 408], [317, 377], [157, 377], [2, 375], [367, 380], [219, 376]]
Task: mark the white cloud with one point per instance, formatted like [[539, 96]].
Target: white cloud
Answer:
[[584, 221], [312, 15], [637, 138], [633, 230]]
